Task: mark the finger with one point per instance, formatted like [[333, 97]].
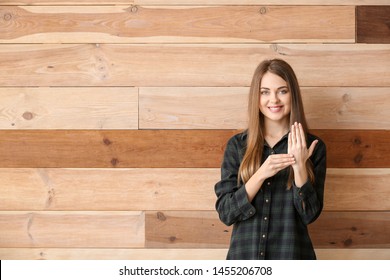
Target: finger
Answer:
[[297, 135], [302, 135], [312, 147], [279, 160], [280, 156], [289, 143], [283, 165], [293, 136]]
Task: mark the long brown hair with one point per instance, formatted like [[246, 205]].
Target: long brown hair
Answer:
[[255, 140]]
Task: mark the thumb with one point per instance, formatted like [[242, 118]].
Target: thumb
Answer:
[[312, 146]]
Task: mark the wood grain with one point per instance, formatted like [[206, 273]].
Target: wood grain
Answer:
[[171, 229], [108, 189], [112, 254], [225, 107], [155, 188], [112, 148], [356, 148], [185, 229], [372, 24], [168, 148], [185, 24], [351, 189], [193, 108], [72, 229], [80, 108], [169, 254], [204, 64], [191, 2], [351, 230]]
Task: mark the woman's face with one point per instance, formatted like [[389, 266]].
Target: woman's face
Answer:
[[275, 99]]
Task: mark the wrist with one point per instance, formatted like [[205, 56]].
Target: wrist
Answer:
[[300, 176]]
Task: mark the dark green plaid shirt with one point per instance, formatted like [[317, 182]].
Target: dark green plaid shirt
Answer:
[[274, 224]]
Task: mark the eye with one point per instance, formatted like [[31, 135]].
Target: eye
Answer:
[[264, 92], [283, 91]]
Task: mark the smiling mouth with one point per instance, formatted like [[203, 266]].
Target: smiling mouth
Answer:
[[275, 109]]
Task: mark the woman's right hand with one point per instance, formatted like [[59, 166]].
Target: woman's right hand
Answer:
[[275, 163], [272, 165]]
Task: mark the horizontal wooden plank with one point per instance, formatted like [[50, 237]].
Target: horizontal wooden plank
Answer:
[[184, 24], [351, 189], [188, 64], [108, 189], [346, 107], [167, 148], [193, 108], [185, 229], [261, 2], [355, 148], [169, 254], [325, 107], [353, 254], [351, 230], [372, 24], [157, 189], [72, 229], [112, 148], [202, 229], [80, 108], [110, 254], [193, 2]]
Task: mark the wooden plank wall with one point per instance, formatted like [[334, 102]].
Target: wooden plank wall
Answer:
[[114, 116]]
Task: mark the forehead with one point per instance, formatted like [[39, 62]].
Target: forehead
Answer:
[[271, 80]]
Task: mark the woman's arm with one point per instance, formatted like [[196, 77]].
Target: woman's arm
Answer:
[[308, 196], [232, 201]]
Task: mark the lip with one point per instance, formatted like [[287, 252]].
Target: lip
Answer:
[[275, 109]]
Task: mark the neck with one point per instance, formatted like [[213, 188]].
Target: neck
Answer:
[[275, 129]]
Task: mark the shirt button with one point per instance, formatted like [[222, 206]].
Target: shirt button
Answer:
[[250, 212], [263, 235], [269, 183], [265, 218], [300, 194], [262, 253], [266, 201]]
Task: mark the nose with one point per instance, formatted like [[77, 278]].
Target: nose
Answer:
[[274, 98]]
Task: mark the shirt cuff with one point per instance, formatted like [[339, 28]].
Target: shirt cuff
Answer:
[[305, 191], [246, 208]]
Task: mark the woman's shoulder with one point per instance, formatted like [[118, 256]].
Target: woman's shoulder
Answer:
[[238, 138]]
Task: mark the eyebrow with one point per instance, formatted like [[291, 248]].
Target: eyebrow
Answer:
[[277, 88]]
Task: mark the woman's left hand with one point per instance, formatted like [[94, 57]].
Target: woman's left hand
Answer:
[[297, 146]]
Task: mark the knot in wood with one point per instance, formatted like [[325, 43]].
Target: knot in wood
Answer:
[[7, 16], [134, 9], [263, 10], [114, 162], [347, 242], [358, 158], [161, 216], [107, 141], [28, 116], [357, 141], [346, 97]]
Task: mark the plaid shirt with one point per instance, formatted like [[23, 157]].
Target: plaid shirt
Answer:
[[274, 224]]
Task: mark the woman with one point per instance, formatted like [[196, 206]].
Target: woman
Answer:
[[272, 174]]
